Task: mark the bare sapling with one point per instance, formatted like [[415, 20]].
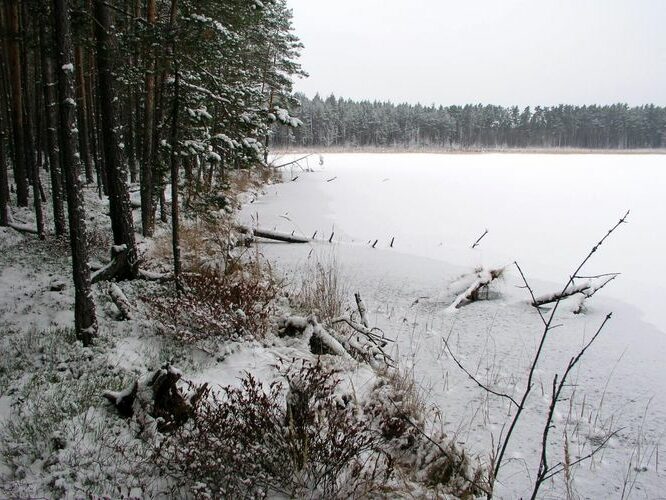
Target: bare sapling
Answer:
[[545, 470]]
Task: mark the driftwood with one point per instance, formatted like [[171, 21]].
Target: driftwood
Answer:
[[476, 243], [121, 302], [272, 235], [482, 278], [585, 290], [362, 311], [321, 341]]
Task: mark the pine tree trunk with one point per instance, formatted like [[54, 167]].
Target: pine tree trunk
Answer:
[[50, 108], [84, 309], [4, 183], [146, 173], [14, 60], [82, 115], [119, 202], [175, 160]]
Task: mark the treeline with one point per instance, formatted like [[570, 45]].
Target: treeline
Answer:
[[337, 122], [166, 93]]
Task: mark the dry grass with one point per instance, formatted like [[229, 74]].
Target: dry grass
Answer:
[[322, 291]]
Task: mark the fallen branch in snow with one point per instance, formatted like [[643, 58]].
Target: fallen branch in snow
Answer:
[[361, 309], [121, 302], [291, 162], [482, 278], [272, 235], [586, 289], [476, 243], [23, 228]]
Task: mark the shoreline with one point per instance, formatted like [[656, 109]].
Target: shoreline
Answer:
[[545, 151]]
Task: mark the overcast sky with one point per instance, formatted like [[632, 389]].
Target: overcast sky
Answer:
[[523, 52]]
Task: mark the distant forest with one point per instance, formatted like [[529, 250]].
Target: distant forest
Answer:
[[337, 122]]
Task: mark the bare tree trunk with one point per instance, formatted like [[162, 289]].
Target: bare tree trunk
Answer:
[[4, 183], [84, 309], [175, 161], [50, 108], [119, 202], [14, 60], [147, 210], [82, 115]]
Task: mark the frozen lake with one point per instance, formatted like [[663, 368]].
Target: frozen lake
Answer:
[[544, 211]]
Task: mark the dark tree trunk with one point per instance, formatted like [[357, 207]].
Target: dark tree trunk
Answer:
[[175, 161], [82, 115], [14, 60], [51, 118], [119, 202], [147, 209], [84, 309], [4, 183]]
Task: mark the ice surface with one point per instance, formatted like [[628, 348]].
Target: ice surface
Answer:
[[545, 211]]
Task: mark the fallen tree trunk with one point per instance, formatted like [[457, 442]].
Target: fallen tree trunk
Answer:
[[273, 235], [121, 302], [586, 289], [472, 293], [23, 228]]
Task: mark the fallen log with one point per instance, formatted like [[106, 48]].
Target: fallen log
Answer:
[[121, 302], [585, 289], [483, 278], [273, 235], [23, 228]]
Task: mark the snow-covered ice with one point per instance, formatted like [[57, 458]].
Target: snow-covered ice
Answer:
[[544, 211]]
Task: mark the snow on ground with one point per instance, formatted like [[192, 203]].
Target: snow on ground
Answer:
[[546, 211]]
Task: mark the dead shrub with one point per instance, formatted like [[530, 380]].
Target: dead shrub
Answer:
[[251, 441], [232, 307]]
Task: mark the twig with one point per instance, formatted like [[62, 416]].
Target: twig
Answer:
[[484, 387], [476, 243], [292, 162]]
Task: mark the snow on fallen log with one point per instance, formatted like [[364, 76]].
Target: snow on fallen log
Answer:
[[117, 264], [585, 290], [121, 302], [23, 228], [321, 341], [273, 235], [478, 281]]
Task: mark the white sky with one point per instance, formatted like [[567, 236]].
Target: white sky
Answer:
[[523, 52]]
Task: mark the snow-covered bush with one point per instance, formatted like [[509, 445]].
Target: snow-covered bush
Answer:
[[232, 307], [297, 437]]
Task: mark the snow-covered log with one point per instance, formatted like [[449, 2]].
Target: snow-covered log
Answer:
[[23, 228], [586, 289], [480, 280], [121, 302], [157, 396], [273, 235]]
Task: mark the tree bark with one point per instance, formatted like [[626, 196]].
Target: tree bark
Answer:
[[4, 183], [14, 60], [119, 202], [175, 161], [82, 115], [85, 320], [146, 173], [50, 108]]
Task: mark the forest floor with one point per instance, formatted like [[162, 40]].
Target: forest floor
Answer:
[[364, 431]]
